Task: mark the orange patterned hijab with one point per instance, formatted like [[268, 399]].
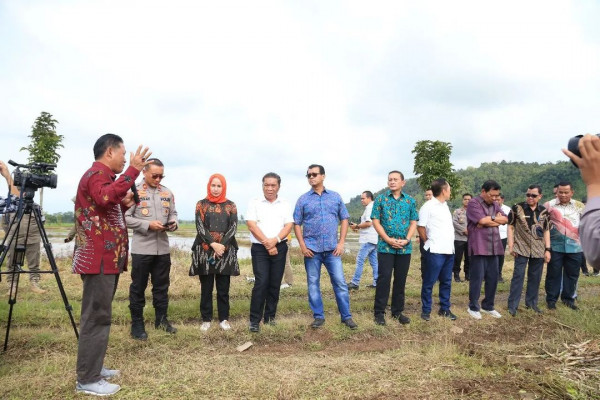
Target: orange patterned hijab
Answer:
[[221, 198]]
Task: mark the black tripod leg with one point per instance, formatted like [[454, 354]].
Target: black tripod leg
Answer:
[[48, 247], [16, 269]]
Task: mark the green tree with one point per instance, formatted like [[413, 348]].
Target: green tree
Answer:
[[44, 140], [44, 143], [432, 161]]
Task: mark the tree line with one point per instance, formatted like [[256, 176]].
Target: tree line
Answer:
[[514, 178]]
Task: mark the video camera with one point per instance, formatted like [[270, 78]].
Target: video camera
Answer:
[[573, 146], [37, 177]]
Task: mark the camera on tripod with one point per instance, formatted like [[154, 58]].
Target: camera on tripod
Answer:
[[37, 177]]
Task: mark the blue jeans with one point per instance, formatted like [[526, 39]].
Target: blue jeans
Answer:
[[439, 266], [333, 264], [366, 250]]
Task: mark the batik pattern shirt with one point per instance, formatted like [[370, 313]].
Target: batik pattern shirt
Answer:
[[101, 243], [320, 216], [395, 216], [529, 227], [215, 222], [564, 234]]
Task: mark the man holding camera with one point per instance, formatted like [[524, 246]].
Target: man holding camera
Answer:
[[101, 250], [28, 229], [150, 220], [588, 161]]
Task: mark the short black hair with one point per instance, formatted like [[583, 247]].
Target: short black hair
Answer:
[[321, 169], [438, 185], [104, 142], [369, 194], [272, 175], [565, 183], [490, 185], [502, 196], [538, 187], [153, 161], [396, 172], [467, 194]]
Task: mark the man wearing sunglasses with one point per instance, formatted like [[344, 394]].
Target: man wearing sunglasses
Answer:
[[529, 243], [150, 220], [316, 218]]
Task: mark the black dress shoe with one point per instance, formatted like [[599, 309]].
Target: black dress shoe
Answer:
[[457, 278], [512, 312], [317, 323], [254, 327], [350, 323], [571, 305], [352, 286], [447, 314], [534, 308], [551, 306], [402, 318], [380, 320], [425, 316]]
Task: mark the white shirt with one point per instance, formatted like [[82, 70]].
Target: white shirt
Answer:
[[435, 216], [367, 235], [269, 217], [504, 228]]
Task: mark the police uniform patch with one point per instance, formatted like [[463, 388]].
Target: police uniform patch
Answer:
[[145, 211]]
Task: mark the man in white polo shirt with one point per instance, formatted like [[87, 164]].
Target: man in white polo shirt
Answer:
[[368, 242], [270, 221], [436, 230]]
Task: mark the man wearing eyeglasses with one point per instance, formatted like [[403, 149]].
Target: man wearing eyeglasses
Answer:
[[529, 243], [150, 220], [316, 218], [566, 252], [484, 216]]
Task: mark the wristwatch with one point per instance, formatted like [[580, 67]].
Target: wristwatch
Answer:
[[493, 217]]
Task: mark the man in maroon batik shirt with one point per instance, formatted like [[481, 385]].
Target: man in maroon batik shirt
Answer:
[[100, 255]]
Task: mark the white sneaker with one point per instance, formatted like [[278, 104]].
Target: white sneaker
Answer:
[[474, 314], [100, 388], [109, 373], [285, 286], [225, 325], [493, 313], [205, 326]]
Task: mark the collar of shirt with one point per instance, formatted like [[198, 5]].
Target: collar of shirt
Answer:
[[105, 168]]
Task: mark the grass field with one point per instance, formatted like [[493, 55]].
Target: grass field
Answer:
[[551, 356]]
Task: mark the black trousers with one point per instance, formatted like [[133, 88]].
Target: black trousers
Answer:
[[207, 283], [563, 267], [268, 272], [483, 268], [501, 258], [157, 268], [397, 264], [94, 325], [461, 248]]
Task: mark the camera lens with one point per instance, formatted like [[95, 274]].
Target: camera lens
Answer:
[[573, 146]]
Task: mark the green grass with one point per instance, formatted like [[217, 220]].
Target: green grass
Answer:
[[492, 359]]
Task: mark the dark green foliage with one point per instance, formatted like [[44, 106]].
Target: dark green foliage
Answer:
[[514, 177], [44, 140], [432, 161]]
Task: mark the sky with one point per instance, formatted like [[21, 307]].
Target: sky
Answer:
[[244, 88]]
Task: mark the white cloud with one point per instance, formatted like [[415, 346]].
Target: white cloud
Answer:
[[244, 88]]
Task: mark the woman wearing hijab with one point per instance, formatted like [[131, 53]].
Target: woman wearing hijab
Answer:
[[214, 253]]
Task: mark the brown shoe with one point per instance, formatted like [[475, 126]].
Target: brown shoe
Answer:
[[35, 288]]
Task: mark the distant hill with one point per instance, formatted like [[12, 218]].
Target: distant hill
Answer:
[[513, 177]]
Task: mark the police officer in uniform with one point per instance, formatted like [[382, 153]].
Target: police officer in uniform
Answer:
[[150, 220]]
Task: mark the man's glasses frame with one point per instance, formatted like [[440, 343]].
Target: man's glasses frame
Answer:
[[312, 175], [532, 195]]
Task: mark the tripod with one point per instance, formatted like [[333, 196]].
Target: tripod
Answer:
[[27, 207]]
